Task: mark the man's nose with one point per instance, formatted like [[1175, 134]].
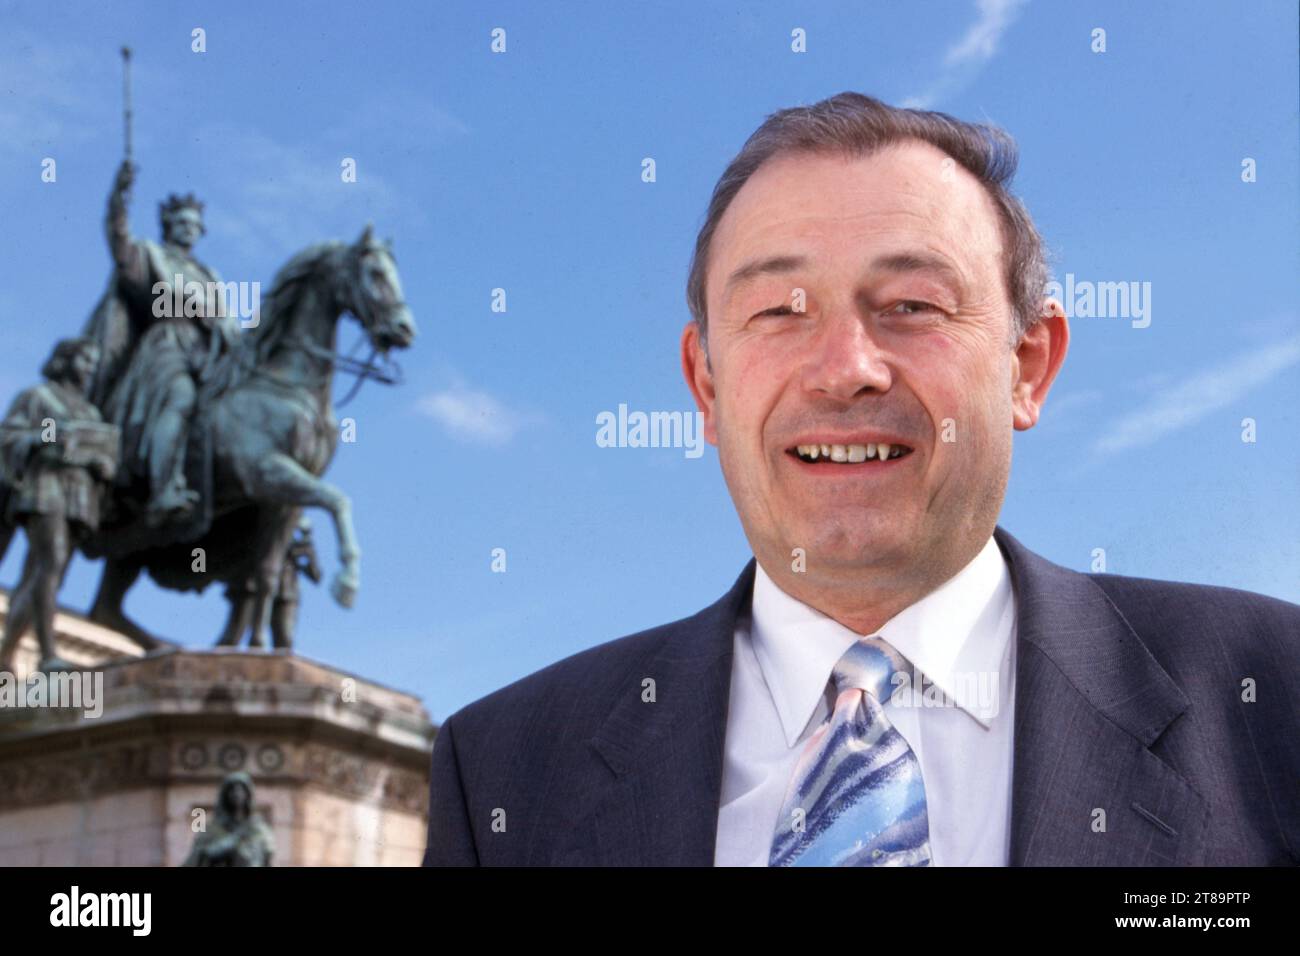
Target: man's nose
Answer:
[[845, 359]]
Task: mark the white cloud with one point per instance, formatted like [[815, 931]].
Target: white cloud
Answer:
[[979, 44], [473, 416], [1198, 396]]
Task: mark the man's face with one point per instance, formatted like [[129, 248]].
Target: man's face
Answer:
[[903, 339], [184, 227]]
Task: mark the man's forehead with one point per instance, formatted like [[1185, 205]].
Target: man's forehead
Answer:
[[909, 188]]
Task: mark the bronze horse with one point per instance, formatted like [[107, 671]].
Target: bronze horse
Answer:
[[272, 433]]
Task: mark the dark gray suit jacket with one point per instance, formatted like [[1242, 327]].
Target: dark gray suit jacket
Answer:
[[1128, 697]]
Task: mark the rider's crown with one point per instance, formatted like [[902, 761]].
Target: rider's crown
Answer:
[[175, 203]]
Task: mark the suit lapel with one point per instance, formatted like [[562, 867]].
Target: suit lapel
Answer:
[[656, 802], [1089, 702]]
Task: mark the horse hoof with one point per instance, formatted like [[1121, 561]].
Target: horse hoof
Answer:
[[344, 589], [123, 625]]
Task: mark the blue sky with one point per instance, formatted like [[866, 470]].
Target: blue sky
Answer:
[[522, 171]]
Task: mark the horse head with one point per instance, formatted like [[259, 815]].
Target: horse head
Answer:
[[372, 293]]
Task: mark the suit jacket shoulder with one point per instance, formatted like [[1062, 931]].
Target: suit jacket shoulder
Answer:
[[579, 688], [1217, 640], [511, 770], [1236, 656], [1242, 618]]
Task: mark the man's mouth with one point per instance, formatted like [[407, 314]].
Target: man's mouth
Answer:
[[850, 454]]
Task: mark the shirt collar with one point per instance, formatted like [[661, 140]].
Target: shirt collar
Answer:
[[956, 631]]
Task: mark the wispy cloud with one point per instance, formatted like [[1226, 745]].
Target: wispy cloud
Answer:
[[52, 97], [1070, 406], [62, 95], [281, 196], [980, 44], [1196, 397], [474, 416], [977, 46], [285, 192]]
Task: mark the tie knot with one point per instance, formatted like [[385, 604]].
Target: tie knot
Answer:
[[868, 665]]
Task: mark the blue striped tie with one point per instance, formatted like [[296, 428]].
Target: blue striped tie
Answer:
[[856, 797]]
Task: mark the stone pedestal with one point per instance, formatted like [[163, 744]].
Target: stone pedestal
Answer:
[[340, 764]]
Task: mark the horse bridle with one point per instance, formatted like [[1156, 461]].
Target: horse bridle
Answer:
[[387, 372]]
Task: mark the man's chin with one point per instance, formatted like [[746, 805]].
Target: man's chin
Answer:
[[857, 544]]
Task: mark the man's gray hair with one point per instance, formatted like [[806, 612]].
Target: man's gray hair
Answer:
[[856, 125]]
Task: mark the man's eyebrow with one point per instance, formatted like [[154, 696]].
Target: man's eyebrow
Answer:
[[919, 262], [765, 265], [893, 262]]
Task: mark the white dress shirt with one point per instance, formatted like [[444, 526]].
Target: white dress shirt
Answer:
[[960, 642]]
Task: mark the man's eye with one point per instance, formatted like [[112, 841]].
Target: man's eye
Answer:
[[778, 310], [911, 307]]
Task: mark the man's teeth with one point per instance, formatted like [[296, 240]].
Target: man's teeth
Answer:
[[850, 453]]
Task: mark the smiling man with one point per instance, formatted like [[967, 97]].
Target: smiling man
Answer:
[[894, 680]]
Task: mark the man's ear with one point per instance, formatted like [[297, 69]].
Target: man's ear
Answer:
[[699, 378], [1038, 358]]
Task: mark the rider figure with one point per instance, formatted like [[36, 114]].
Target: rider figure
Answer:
[[154, 399]]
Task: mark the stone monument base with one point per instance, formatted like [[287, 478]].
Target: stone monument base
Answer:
[[340, 764]]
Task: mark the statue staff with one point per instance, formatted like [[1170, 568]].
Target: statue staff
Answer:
[[126, 98]]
